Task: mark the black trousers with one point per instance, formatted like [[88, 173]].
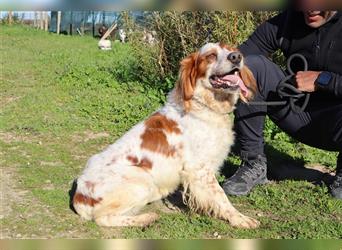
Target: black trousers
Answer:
[[320, 125]]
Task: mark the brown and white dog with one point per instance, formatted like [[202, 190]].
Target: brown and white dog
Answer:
[[185, 142]]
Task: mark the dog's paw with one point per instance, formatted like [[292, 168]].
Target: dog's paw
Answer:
[[148, 218], [242, 221]]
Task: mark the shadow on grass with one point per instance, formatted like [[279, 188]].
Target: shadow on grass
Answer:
[[281, 166]]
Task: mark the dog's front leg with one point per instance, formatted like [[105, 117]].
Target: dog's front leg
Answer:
[[203, 193]]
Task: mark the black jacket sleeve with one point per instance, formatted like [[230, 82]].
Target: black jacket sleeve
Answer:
[[266, 38], [335, 85]]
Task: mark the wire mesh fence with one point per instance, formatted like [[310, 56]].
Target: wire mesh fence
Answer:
[[71, 22], [83, 22]]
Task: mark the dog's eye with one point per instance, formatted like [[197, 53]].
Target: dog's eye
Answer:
[[212, 57]]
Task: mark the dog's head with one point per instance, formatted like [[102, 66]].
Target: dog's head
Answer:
[[218, 68]]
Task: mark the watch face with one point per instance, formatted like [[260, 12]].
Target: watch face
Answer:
[[324, 78]]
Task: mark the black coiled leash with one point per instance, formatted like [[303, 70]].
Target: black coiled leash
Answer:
[[287, 90]]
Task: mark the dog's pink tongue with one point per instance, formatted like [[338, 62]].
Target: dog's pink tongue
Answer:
[[235, 79]]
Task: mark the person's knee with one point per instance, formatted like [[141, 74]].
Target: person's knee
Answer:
[[254, 61], [267, 74], [259, 65]]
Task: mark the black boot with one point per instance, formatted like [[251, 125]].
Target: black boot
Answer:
[[251, 172], [336, 186]]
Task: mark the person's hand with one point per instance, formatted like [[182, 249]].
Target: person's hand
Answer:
[[306, 80]]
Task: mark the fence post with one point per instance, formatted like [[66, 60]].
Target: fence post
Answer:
[[71, 23], [46, 21], [93, 23], [35, 22], [41, 20], [59, 14], [10, 17]]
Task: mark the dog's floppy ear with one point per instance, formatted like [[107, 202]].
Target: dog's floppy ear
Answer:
[[187, 79], [250, 82]]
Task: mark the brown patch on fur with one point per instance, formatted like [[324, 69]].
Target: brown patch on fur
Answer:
[[192, 68], [133, 159], [145, 163], [250, 82], [187, 79], [156, 141], [154, 137], [159, 121], [202, 64], [86, 200]]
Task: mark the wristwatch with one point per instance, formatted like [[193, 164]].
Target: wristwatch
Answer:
[[323, 79]]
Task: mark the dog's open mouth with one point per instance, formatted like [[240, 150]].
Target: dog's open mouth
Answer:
[[230, 80]]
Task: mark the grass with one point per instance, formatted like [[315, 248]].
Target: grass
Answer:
[[62, 100]]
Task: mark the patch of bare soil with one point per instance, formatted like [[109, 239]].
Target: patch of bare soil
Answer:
[[23, 216], [88, 135], [9, 137], [7, 100], [18, 207], [10, 196]]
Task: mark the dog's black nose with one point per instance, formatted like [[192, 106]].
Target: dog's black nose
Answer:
[[235, 57]]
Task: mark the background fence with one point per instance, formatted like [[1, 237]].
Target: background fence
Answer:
[[71, 22], [82, 22]]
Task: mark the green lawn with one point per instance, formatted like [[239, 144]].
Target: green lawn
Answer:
[[62, 100]]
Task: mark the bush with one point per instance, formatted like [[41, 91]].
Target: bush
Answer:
[[180, 33]]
